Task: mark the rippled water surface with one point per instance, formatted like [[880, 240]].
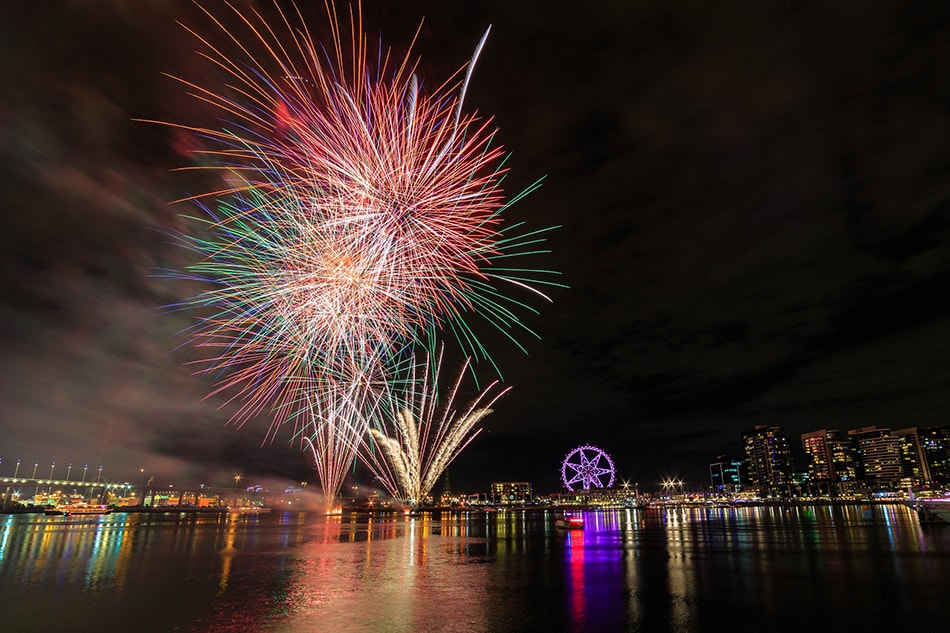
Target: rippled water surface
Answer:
[[845, 568]]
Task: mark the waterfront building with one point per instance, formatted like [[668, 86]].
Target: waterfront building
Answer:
[[769, 457], [818, 450], [913, 461], [513, 493], [877, 454], [842, 461], [935, 441], [164, 498], [727, 475], [801, 482], [477, 499], [830, 460]]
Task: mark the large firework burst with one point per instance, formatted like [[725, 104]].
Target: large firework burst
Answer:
[[358, 216]]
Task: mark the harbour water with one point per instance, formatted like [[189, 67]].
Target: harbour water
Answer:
[[775, 569]]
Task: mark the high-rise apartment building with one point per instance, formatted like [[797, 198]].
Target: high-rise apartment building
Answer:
[[769, 457], [877, 455], [913, 462], [818, 450], [830, 460], [842, 459], [935, 441]]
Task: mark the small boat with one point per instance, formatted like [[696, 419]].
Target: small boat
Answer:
[[570, 522], [76, 509]]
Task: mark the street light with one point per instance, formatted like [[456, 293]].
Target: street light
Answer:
[[17, 469], [69, 470], [237, 480], [85, 467], [670, 485]]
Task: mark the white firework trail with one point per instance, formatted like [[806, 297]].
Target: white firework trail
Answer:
[[335, 421], [410, 449]]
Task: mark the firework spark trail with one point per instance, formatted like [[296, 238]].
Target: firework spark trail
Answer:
[[357, 218], [336, 426], [416, 443]]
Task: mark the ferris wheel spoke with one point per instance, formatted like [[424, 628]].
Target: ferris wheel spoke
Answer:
[[577, 478]]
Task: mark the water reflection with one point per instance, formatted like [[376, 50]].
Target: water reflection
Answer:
[[575, 565], [774, 568], [841, 564], [408, 574]]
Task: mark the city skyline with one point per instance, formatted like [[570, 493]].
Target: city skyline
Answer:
[[919, 457], [753, 220]]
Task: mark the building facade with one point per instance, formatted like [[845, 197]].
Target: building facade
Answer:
[[511, 493], [817, 447], [769, 458], [727, 475], [831, 466], [914, 467], [935, 441], [877, 454]]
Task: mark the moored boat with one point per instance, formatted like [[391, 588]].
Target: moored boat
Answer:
[[71, 509], [569, 522]]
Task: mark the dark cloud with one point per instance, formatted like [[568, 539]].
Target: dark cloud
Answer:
[[753, 201]]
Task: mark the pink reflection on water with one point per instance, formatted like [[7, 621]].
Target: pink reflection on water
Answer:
[[575, 558]]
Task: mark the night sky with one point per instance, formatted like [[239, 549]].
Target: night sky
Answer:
[[754, 202]]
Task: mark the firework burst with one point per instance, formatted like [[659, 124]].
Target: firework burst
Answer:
[[416, 442], [358, 216]]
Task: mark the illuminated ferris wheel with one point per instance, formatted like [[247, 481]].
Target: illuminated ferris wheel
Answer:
[[587, 467]]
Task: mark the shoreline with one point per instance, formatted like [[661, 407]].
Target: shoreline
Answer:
[[428, 510]]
